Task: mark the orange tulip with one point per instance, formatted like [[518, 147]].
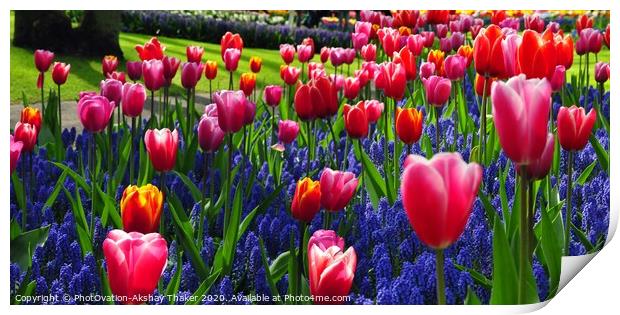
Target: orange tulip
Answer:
[[31, 116], [307, 200], [436, 56], [255, 64], [536, 56], [210, 69], [141, 208], [467, 52], [409, 124], [247, 83]]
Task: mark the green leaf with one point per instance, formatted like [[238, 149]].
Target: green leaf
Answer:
[[79, 180], [601, 153], [107, 205], [194, 191], [203, 288], [259, 210], [23, 246], [59, 184], [478, 277], [373, 176], [505, 276], [268, 276], [18, 187], [279, 266], [550, 248], [471, 298], [292, 266], [175, 282], [583, 238], [105, 286], [585, 174]]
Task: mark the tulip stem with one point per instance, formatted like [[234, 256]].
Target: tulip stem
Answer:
[[345, 156], [109, 153], [228, 185], [587, 82], [437, 139], [483, 122], [162, 183], [31, 181], [524, 237], [59, 112], [25, 194], [189, 118], [336, 142], [361, 149], [152, 105], [131, 149], [569, 209], [230, 80], [309, 137], [441, 281], [93, 145], [166, 100], [300, 259], [42, 94], [273, 125]]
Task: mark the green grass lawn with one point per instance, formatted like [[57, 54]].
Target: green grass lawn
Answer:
[[86, 73]]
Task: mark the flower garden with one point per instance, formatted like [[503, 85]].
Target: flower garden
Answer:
[[413, 157]]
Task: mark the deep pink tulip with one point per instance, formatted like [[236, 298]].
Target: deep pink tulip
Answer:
[[134, 70], [153, 72], [351, 88], [437, 90], [575, 127], [539, 168], [112, 90], [324, 55], [337, 189], [211, 110], [109, 64], [162, 146], [191, 74], [60, 72], [369, 52], [135, 263], [16, 150], [171, 66], [363, 76], [510, 45], [133, 99], [390, 40], [231, 59], [94, 111], [336, 56], [454, 66], [287, 52], [26, 134], [304, 53], [210, 136], [457, 39], [441, 30], [415, 43], [392, 79], [374, 109], [349, 55], [601, 72], [445, 45], [231, 107], [592, 39], [429, 39], [287, 131], [325, 239], [558, 78], [116, 76], [338, 81], [521, 112], [331, 273], [438, 195], [43, 59], [290, 74], [359, 40], [363, 28], [273, 94], [194, 53], [427, 69]]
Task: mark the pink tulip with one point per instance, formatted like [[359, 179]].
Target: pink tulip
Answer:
[[231, 107], [374, 109], [287, 131], [134, 70], [94, 112], [287, 52], [210, 136], [575, 127], [337, 189], [135, 263], [211, 110], [539, 168], [454, 67], [273, 94], [60, 72], [349, 55], [171, 66], [457, 39], [43, 59], [304, 53], [362, 76], [601, 72], [336, 56], [390, 40], [331, 272], [112, 90], [194, 53], [534, 22], [441, 30], [429, 39], [325, 239], [363, 28], [445, 45], [558, 78], [415, 43], [231, 59], [162, 146], [16, 151], [116, 76], [27, 134], [153, 72], [338, 81], [592, 39], [520, 113], [369, 52], [109, 64], [359, 40], [133, 99], [392, 79], [437, 90], [191, 74], [325, 51], [427, 69], [438, 195], [510, 45]]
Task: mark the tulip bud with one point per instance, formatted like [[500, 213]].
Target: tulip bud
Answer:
[[162, 146], [16, 150], [287, 52], [290, 74], [27, 135], [325, 53], [359, 40], [231, 59], [601, 72], [229, 41], [171, 66], [355, 120], [303, 53], [392, 79], [31, 115], [409, 125], [43, 59], [374, 109], [109, 64], [94, 112], [307, 200], [287, 131], [454, 67], [210, 69], [191, 74], [153, 72], [247, 83], [210, 136], [194, 53], [134, 70], [141, 208], [575, 127], [558, 78], [60, 72], [112, 90], [351, 88], [337, 189], [369, 52], [255, 64], [231, 107], [427, 69], [133, 99], [437, 90], [273, 94], [120, 76]]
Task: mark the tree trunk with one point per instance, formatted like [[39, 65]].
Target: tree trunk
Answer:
[[98, 33]]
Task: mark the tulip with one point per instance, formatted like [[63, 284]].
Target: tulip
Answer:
[[116, 76], [152, 49], [575, 127], [191, 74], [287, 52], [454, 67], [337, 189], [94, 112], [607, 36], [436, 57], [210, 136], [408, 18], [307, 200], [536, 56], [247, 83], [171, 66], [510, 46], [210, 70], [43, 59], [162, 146], [558, 78], [488, 51], [445, 45], [437, 16], [356, 120], [112, 90], [363, 76], [133, 99], [317, 98], [437, 90], [60, 72], [231, 106], [592, 39], [520, 113], [16, 150], [31, 115], [583, 22], [359, 40], [351, 88], [483, 86], [363, 27], [231, 59], [406, 58], [601, 72], [409, 125], [290, 74], [374, 109], [390, 40], [429, 39], [273, 94], [426, 69], [304, 52], [467, 52], [349, 55], [109, 64], [331, 271], [391, 78], [325, 239], [415, 44], [325, 52], [338, 81], [194, 53], [316, 70], [135, 263], [456, 40], [336, 56], [134, 70], [534, 22], [564, 50], [287, 131], [27, 135], [308, 41], [153, 72], [255, 64], [539, 168], [141, 208], [230, 40]]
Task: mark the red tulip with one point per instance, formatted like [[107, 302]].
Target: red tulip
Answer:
[[437, 16], [583, 22], [31, 115], [135, 263], [60, 72], [210, 136], [273, 94], [356, 120], [255, 64], [539, 168], [290, 74], [437, 90], [607, 36], [390, 40], [153, 72], [230, 40], [247, 83], [454, 67], [287, 52], [488, 51], [133, 99], [374, 109], [564, 49], [94, 112], [438, 195], [537, 58], [601, 72], [16, 150], [558, 78], [27, 135], [534, 22], [337, 189], [325, 239], [141, 208], [521, 112], [43, 59], [324, 54], [194, 53], [351, 88], [210, 69], [162, 146], [408, 18], [316, 99], [120, 76], [409, 61], [134, 70], [575, 127], [171, 66], [304, 52], [191, 74], [483, 86], [231, 107], [151, 50], [391, 77], [307, 200], [287, 131], [231, 59], [112, 90], [109, 64], [409, 125]]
